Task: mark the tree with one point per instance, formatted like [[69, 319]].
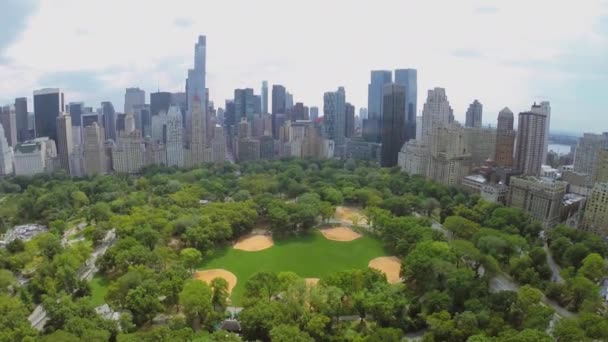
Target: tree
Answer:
[[594, 267], [49, 244], [241, 196], [190, 258], [14, 325], [143, 302], [461, 227], [262, 285], [289, 333], [567, 330], [429, 205], [7, 281], [219, 286], [100, 211], [195, 298], [257, 320], [575, 255], [385, 335]]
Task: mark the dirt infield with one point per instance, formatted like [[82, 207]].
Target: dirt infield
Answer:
[[340, 234], [311, 281], [391, 266], [208, 275], [254, 243], [350, 215]]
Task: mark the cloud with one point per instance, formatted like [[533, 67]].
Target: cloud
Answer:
[[182, 22], [14, 17]]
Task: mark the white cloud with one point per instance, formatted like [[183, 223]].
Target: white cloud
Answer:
[[310, 46]]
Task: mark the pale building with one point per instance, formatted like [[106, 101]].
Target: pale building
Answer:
[[197, 133], [474, 114], [595, 218], [481, 143], [77, 167], [128, 155], [218, 145], [249, 150], [530, 142], [174, 131], [134, 97], [8, 120], [6, 155], [505, 138], [34, 157], [436, 110], [64, 141], [601, 170], [544, 108], [414, 158], [94, 152], [450, 159], [586, 154], [491, 192], [539, 197]]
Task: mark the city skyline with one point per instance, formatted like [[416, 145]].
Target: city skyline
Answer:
[[470, 63]]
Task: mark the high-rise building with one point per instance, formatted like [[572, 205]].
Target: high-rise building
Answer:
[[249, 149], [278, 107], [436, 111], [409, 79], [196, 84], [6, 155], [244, 104], [89, 118], [76, 109], [8, 119], [540, 197], [450, 158], [595, 218], [264, 97], [334, 115], [299, 112], [314, 113], [544, 108], [505, 138], [109, 120], [481, 144], [120, 122], [586, 152], [349, 119], [218, 145], [64, 141], [174, 138], [394, 108], [288, 101], [371, 126], [197, 134], [23, 131], [94, 154], [474, 114], [530, 142], [601, 170], [159, 102], [32, 157], [128, 154], [48, 105], [134, 97]]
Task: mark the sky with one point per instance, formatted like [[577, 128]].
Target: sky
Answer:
[[504, 53]]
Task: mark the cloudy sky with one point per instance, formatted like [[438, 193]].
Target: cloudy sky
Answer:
[[504, 53]]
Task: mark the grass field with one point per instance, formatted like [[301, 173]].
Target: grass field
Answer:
[[99, 288], [310, 256]]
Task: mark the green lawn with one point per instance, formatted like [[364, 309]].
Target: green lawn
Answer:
[[310, 256], [99, 288]]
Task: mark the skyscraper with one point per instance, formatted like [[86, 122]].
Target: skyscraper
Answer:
[[409, 79], [530, 142], [349, 119], [436, 110], [134, 97], [159, 102], [595, 218], [8, 119], [539, 197], [23, 132], [197, 142], [108, 116], [94, 154], [394, 110], [244, 104], [299, 112], [278, 107], [334, 117], [76, 110], [505, 138], [314, 113], [264, 97], [587, 152], [474, 114], [196, 84], [174, 131], [371, 126], [544, 108], [6, 155], [64, 141], [48, 105]]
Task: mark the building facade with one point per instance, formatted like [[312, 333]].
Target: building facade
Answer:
[[64, 141], [8, 119], [595, 218], [530, 142], [474, 114], [409, 79], [505, 138], [586, 153], [279, 94], [393, 123], [94, 154], [541, 198], [334, 117], [23, 131], [48, 105], [6, 155], [134, 97]]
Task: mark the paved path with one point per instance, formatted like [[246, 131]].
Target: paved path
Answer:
[[555, 269]]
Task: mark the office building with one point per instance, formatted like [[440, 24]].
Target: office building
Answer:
[[474, 114], [143, 119], [409, 79], [544, 108], [371, 126], [530, 143], [266, 147], [278, 107], [128, 154], [89, 118], [394, 108], [359, 149], [120, 122], [8, 119], [23, 131], [601, 170], [174, 138], [288, 101], [414, 158], [314, 114], [436, 111], [249, 150], [505, 138], [539, 197], [159, 102], [450, 159], [595, 218], [218, 145], [76, 109], [94, 153], [264, 97], [108, 116], [197, 133], [6, 155], [349, 119], [299, 112], [587, 152], [244, 104], [134, 97], [34, 157], [481, 144], [334, 115], [196, 84], [48, 105], [64, 141]]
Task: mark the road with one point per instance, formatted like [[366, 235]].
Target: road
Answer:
[[38, 318], [555, 269]]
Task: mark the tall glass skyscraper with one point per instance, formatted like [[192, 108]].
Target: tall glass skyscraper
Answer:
[[371, 126], [408, 78], [48, 105]]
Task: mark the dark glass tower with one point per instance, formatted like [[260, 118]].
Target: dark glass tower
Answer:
[[48, 105], [394, 108]]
